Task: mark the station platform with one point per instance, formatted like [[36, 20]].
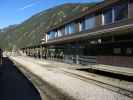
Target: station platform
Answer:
[[126, 71], [65, 77]]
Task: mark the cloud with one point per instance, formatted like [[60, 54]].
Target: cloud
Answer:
[[28, 6]]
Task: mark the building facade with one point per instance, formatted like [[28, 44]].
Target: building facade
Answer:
[[100, 35]]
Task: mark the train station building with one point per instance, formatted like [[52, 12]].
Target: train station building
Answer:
[[102, 34]]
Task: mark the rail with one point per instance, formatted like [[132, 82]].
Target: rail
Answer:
[[83, 60]]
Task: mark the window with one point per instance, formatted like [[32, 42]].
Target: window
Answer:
[[121, 11], [129, 51], [108, 17], [52, 34], [118, 12], [49, 35], [66, 29], [70, 28], [117, 50], [90, 23]]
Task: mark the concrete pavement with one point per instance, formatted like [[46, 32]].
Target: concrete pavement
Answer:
[[71, 87]]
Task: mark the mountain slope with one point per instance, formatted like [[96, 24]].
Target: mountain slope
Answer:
[[29, 32]]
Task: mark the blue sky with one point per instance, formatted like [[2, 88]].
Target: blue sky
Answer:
[[16, 11]]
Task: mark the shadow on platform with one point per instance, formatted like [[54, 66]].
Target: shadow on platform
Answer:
[[14, 85]]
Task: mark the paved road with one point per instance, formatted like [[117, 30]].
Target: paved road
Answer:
[[14, 85]]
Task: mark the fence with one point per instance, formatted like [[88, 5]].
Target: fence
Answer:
[[83, 60]]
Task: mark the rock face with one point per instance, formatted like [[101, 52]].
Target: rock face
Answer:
[[30, 32]]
